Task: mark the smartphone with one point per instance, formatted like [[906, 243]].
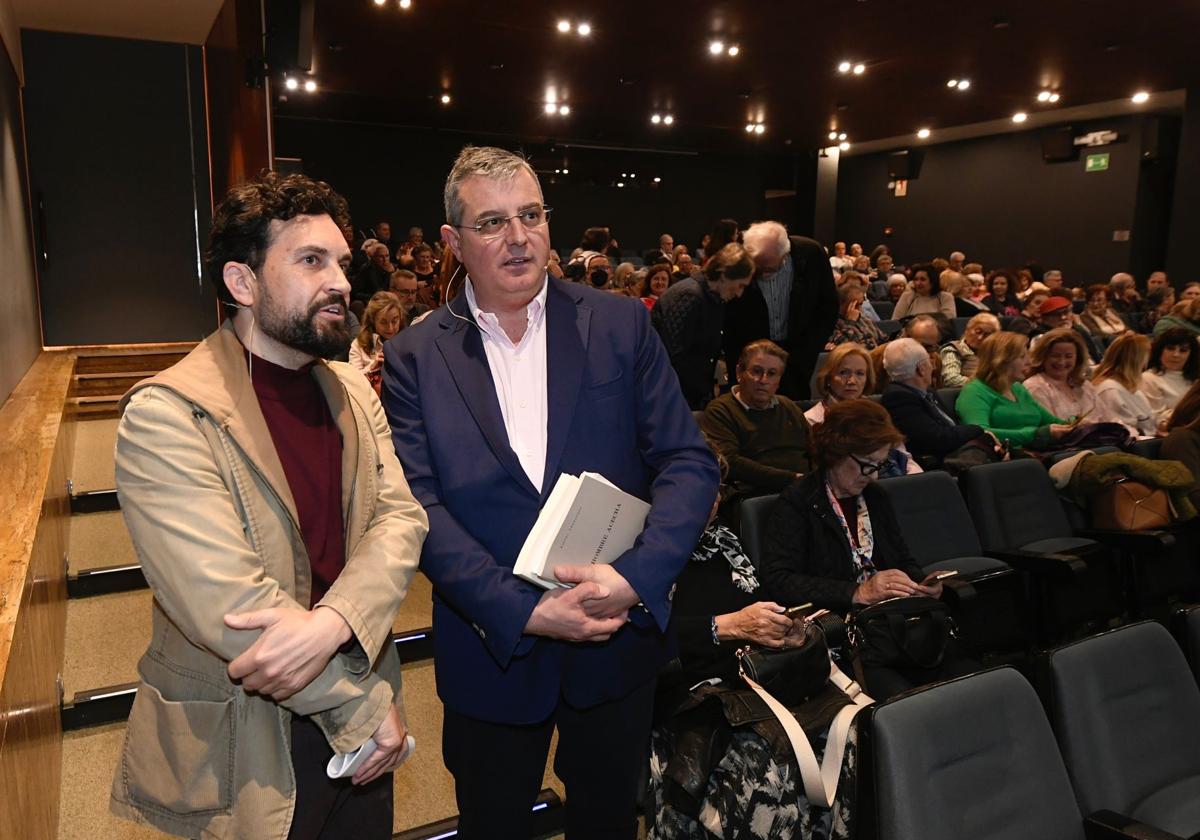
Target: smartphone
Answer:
[[934, 577], [790, 611]]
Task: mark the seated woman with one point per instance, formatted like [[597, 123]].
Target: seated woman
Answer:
[[1183, 437], [960, 357], [997, 401], [923, 296], [718, 608], [1117, 378], [852, 325], [849, 373], [658, 278], [1173, 369], [1059, 381], [1185, 314], [956, 285], [1099, 319], [382, 319], [1002, 297], [833, 539]]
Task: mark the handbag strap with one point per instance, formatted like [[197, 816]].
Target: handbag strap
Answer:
[[820, 781]]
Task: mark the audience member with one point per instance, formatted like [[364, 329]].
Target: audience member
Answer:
[[852, 324], [959, 357], [597, 270], [978, 287], [1157, 280], [683, 265], [1032, 305], [724, 232], [1173, 369], [634, 284], [690, 320], [956, 261], [1190, 292], [954, 284], [666, 246], [376, 276], [1185, 315], [1025, 281], [1117, 378], [997, 401], [677, 252], [793, 302], [1059, 376], [1157, 304], [914, 407], [1183, 437], [1056, 313], [834, 541], [383, 235], [423, 265], [405, 287], [840, 261], [923, 296], [897, 285], [846, 374], [1002, 297], [1124, 297], [658, 280], [621, 276], [1099, 318], [762, 435], [1053, 280], [554, 265], [382, 319], [883, 267]]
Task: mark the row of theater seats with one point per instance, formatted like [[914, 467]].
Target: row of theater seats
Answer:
[[1031, 570], [1111, 750]]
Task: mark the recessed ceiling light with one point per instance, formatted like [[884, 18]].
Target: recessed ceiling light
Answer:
[[1054, 97], [551, 108], [566, 171], [405, 4], [844, 145], [1020, 117], [620, 183], [656, 118], [1044, 96], [445, 99], [657, 180], [557, 171], [564, 26], [290, 83], [963, 84], [310, 85], [842, 135], [844, 67], [1140, 97], [716, 47], [668, 120], [584, 29], [632, 175], [833, 135], [563, 110], [749, 127], [759, 128], [923, 133], [952, 83], [624, 174], [734, 50], [859, 69], [380, 2]]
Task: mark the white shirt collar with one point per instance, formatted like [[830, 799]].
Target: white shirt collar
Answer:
[[488, 320], [736, 391]]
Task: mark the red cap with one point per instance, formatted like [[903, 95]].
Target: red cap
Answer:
[[1054, 304]]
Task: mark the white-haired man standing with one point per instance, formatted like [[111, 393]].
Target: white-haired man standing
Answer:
[[792, 301]]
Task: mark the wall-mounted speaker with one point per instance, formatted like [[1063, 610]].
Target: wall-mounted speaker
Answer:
[[904, 165], [290, 34], [1058, 145]]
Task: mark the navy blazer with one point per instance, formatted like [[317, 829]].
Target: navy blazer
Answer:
[[615, 408]]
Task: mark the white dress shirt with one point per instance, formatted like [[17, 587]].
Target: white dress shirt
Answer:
[[1130, 408], [519, 374]]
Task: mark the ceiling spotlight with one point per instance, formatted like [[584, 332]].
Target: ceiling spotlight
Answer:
[[656, 118], [1140, 97], [620, 183], [844, 67], [657, 180], [844, 145], [310, 85], [564, 26], [290, 83], [668, 120], [759, 128], [1044, 96], [563, 110], [632, 175], [445, 99], [584, 29], [551, 108], [716, 47], [557, 171], [842, 136], [963, 84], [1020, 117], [952, 83], [405, 4], [1054, 97], [566, 171], [624, 174], [859, 69], [380, 2], [923, 133], [749, 127], [734, 50], [833, 135]]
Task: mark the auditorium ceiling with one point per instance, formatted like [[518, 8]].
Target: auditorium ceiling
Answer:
[[503, 66]]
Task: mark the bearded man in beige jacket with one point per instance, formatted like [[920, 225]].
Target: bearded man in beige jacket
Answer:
[[277, 532]]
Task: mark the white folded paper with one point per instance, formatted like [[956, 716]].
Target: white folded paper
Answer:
[[343, 765]]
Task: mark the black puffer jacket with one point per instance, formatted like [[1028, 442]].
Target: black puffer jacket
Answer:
[[806, 555]]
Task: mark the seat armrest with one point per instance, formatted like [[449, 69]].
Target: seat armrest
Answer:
[[1103, 825], [957, 590], [1135, 542], [1058, 566]]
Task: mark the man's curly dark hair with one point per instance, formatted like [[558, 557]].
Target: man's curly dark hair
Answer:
[[241, 222]]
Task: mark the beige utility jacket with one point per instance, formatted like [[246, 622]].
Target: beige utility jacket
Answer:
[[208, 507]]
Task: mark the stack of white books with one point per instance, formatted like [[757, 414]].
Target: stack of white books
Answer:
[[585, 520]]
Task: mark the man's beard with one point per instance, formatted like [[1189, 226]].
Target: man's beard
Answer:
[[301, 331]]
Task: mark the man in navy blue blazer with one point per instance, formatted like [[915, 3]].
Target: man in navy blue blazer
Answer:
[[519, 379]]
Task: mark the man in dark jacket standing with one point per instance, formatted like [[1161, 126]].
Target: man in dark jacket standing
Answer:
[[792, 301]]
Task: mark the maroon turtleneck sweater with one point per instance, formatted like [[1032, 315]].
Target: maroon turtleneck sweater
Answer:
[[310, 449]]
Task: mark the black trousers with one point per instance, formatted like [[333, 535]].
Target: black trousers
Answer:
[[601, 758], [334, 809]]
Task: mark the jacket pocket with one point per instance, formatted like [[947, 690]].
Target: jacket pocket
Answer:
[[178, 755]]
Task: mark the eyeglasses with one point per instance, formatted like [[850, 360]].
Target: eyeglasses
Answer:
[[493, 227], [869, 468]]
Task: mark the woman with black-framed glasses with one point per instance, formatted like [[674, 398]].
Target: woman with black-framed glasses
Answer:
[[833, 539]]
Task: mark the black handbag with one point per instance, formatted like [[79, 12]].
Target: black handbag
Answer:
[[910, 632]]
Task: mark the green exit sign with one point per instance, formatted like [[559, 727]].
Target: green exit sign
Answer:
[[1096, 163]]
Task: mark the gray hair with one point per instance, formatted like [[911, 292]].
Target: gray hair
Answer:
[[958, 255], [902, 357], [621, 275], [1121, 278], [486, 162], [763, 235], [1054, 272], [984, 317]]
